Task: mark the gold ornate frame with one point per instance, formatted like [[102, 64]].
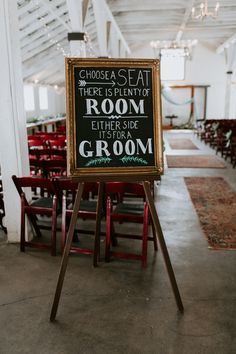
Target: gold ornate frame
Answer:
[[137, 173]]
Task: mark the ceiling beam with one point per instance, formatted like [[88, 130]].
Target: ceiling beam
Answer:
[[45, 38], [35, 13], [45, 46], [101, 19], [85, 7], [54, 75], [187, 14], [36, 24], [37, 34], [116, 27], [76, 10], [53, 12], [25, 8], [102, 15], [37, 66], [140, 18], [45, 54], [231, 40], [124, 5]]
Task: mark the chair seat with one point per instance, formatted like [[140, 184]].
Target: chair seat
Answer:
[[42, 202], [88, 205], [85, 205], [45, 203], [126, 208]]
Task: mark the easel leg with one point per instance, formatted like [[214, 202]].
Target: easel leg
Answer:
[[98, 224], [66, 252], [146, 186]]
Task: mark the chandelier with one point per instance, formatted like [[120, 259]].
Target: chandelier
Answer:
[[203, 11]]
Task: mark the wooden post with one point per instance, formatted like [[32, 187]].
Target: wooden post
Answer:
[[66, 252], [155, 219], [14, 155], [205, 102], [77, 11], [192, 103]]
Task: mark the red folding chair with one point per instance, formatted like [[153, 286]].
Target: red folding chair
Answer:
[[43, 205], [66, 188], [124, 211]]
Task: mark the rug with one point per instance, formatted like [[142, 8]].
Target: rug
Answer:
[[182, 144], [215, 203], [194, 161]]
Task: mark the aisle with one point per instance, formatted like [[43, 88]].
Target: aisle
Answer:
[[120, 307]]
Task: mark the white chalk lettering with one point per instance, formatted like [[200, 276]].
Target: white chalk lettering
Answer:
[[100, 148], [117, 147], [130, 147], [121, 106], [82, 149], [91, 103], [143, 148]]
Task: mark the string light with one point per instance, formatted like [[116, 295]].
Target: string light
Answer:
[[47, 29], [87, 42]]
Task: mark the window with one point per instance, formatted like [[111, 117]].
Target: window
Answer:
[[43, 98], [172, 64], [29, 98]]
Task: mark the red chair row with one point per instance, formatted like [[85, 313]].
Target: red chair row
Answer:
[[115, 207], [2, 208], [48, 168], [221, 136], [37, 142]]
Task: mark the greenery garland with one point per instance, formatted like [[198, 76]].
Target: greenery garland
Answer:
[[99, 161], [127, 159]]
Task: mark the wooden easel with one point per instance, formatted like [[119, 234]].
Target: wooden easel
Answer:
[[64, 262]]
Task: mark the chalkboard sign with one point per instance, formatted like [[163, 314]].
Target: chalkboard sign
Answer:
[[113, 119]]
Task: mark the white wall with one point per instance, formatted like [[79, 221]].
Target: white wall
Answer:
[[56, 103], [205, 68]]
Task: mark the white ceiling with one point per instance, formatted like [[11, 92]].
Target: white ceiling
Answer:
[[44, 25]]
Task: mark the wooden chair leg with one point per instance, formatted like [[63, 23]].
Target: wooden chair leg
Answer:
[[54, 228], [32, 219], [113, 238], [145, 236]]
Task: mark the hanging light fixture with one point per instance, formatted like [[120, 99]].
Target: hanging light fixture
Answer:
[[185, 45], [203, 12]]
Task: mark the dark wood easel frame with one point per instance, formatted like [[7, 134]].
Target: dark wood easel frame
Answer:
[[143, 173], [158, 229]]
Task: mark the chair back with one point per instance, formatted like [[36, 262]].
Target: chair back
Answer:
[[53, 168], [67, 186], [36, 142], [125, 187], [57, 143], [122, 189], [34, 182]]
